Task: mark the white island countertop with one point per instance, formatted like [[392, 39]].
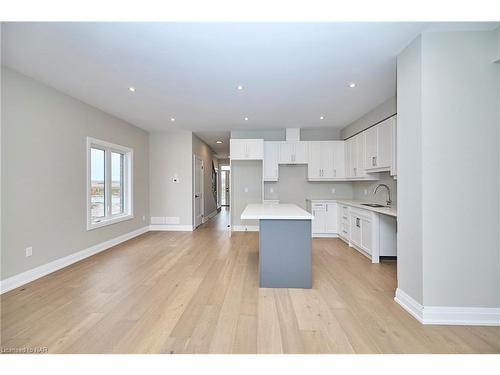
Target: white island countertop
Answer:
[[257, 211]]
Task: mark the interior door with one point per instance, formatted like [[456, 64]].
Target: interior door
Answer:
[[198, 191]]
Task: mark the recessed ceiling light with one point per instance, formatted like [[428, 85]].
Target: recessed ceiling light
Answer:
[[131, 89], [352, 85], [219, 142], [172, 119], [246, 118], [239, 87], [322, 117]]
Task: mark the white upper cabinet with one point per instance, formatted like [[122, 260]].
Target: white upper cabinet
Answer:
[[293, 152], [326, 160], [271, 155], [246, 149], [379, 146]]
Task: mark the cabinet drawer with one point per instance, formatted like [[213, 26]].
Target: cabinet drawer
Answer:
[[318, 206], [345, 213]]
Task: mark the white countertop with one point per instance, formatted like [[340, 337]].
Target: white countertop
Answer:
[[390, 211], [256, 211]]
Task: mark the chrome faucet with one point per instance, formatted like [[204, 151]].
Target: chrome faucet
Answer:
[[388, 192]]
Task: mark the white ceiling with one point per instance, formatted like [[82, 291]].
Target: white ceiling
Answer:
[[292, 73]]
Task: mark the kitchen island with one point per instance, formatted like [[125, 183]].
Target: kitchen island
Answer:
[[284, 244]]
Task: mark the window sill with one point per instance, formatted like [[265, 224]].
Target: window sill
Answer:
[[106, 222]]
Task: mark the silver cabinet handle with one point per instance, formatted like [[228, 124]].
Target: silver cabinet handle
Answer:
[[375, 160], [357, 222], [334, 173], [355, 170]]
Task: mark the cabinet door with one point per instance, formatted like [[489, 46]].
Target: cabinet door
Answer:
[[371, 147], [271, 150], [285, 153], [360, 155], [366, 235], [300, 153], [331, 224], [394, 163], [237, 149], [355, 228], [318, 223], [255, 149], [351, 157], [339, 168], [314, 164], [327, 163], [385, 134]]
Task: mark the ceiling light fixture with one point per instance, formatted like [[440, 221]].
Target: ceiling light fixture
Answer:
[[172, 119], [246, 118], [219, 142], [131, 89], [239, 87], [352, 85], [322, 117]]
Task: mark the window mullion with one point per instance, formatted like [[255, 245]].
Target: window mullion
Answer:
[[107, 189]]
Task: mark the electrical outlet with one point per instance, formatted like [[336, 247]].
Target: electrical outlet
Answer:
[[271, 190], [29, 251], [333, 190], [246, 190], [144, 218], [366, 191]]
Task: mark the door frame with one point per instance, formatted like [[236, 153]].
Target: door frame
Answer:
[[202, 200], [227, 194]]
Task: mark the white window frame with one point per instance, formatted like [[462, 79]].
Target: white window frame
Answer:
[[128, 178]]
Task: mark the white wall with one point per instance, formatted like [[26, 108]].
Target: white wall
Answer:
[[460, 95], [171, 155], [44, 202], [409, 146], [246, 187], [448, 142]]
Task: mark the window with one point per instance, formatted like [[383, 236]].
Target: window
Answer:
[[109, 182]]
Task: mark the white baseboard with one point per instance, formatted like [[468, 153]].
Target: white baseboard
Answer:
[[245, 228], [35, 273], [171, 227], [443, 315], [209, 216], [325, 235]]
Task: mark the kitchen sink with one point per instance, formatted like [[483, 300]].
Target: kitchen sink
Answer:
[[373, 205]]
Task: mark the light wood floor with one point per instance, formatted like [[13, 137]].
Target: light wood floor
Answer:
[[181, 292]]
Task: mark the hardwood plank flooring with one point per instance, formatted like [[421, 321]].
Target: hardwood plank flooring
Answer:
[[183, 292]]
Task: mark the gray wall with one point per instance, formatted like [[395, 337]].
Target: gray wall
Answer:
[[409, 146], [245, 174], [448, 242], [306, 134], [44, 203], [293, 187], [202, 150], [170, 155], [363, 190], [377, 114], [460, 91]]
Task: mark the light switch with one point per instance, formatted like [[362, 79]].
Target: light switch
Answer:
[[271, 190], [246, 190]]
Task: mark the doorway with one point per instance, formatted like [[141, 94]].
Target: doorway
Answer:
[[225, 186], [198, 191]]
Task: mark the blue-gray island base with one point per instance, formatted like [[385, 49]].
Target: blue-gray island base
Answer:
[[285, 253]]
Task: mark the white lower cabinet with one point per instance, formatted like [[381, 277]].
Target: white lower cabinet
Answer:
[[325, 222]]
